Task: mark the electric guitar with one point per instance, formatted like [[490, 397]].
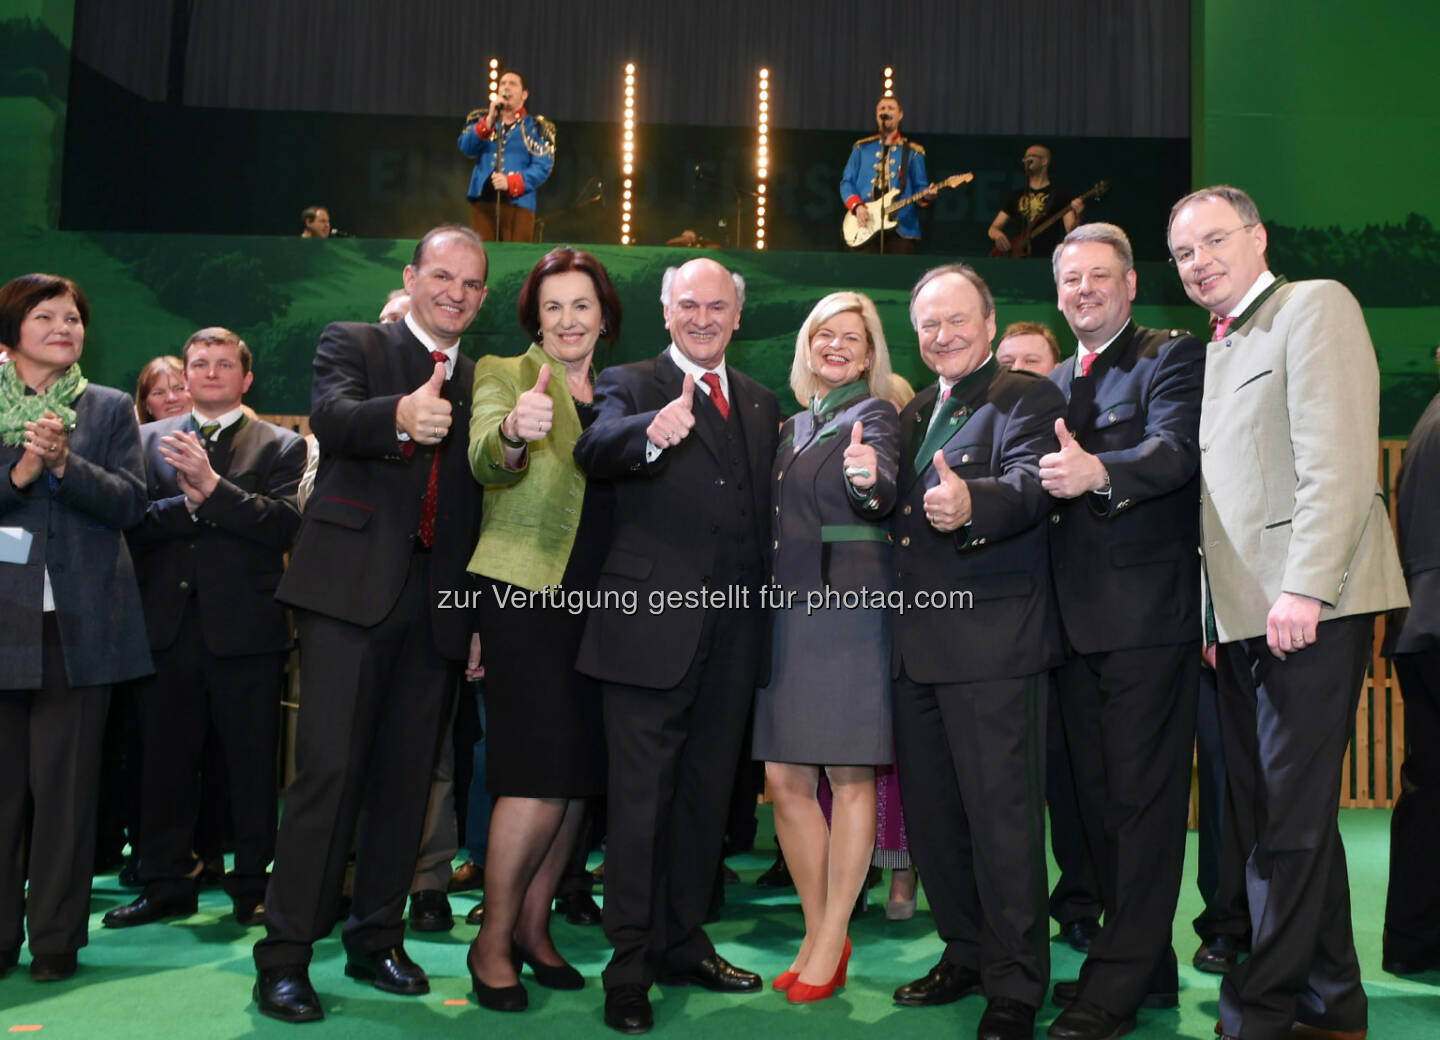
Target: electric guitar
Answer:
[[1020, 245], [883, 210]]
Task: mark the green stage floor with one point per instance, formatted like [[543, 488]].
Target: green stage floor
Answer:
[[191, 977]]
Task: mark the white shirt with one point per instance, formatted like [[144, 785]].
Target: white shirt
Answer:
[[226, 421], [1260, 285], [946, 385]]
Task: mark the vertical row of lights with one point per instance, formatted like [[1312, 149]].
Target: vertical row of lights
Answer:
[[762, 155], [889, 81], [627, 155], [494, 79]]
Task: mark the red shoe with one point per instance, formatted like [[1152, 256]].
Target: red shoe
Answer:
[[804, 993], [784, 981]]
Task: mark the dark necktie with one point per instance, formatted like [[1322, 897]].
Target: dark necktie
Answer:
[[208, 430], [717, 395], [1087, 362], [432, 489]]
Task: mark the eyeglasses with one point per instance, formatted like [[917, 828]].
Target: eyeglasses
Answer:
[[1185, 256]]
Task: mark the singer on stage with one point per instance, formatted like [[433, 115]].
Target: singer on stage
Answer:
[[878, 163], [513, 152]]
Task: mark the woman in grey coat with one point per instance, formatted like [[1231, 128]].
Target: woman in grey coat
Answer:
[[71, 484], [828, 702]]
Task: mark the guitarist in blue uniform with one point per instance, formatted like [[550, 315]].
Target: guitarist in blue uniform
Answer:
[[878, 163]]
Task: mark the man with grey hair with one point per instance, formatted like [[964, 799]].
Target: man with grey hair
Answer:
[[1123, 539], [1298, 558], [969, 709], [687, 441]]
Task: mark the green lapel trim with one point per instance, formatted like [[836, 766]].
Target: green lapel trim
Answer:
[[954, 413], [1249, 312], [838, 398], [853, 533]]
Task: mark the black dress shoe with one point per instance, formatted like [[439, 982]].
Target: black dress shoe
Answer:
[[1006, 1019], [728, 873], [1066, 993], [551, 976], [627, 1010], [579, 908], [1217, 956], [1079, 933], [1083, 1020], [52, 967], [391, 970], [476, 914], [286, 994], [430, 912], [945, 984], [715, 973], [467, 877], [249, 911], [777, 874], [151, 908]]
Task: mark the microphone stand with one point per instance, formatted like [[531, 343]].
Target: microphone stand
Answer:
[[594, 185], [740, 194]]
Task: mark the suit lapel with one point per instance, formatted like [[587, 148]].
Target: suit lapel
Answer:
[[924, 406], [1080, 412]]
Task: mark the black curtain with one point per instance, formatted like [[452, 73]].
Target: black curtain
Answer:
[[1113, 68]]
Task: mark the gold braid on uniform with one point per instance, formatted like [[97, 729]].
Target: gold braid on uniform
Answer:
[[544, 146]]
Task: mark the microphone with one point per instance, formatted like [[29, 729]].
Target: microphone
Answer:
[[337, 233]]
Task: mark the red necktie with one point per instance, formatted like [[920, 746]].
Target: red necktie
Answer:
[[432, 489], [1088, 361], [712, 380], [1222, 326]]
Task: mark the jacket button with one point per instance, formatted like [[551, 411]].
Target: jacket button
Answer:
[[720, 482], [185, 585], [907, 510], [905, 541], [777, 510], [775, 544], [1054, 518]]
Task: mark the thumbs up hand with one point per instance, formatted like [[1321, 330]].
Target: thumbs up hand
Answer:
[[1071, 471], [947, 504], [534, 412], [424, 414], [673, 423], [861, 464]]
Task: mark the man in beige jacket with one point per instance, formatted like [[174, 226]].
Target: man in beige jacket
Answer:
[[1298, 558]]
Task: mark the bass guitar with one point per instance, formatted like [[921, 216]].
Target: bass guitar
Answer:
[[1020, 245]]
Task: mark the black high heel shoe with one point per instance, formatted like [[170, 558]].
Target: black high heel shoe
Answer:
[[551, 976], [498, 998]]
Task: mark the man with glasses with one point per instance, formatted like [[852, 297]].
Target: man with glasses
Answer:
[[1298, 558]]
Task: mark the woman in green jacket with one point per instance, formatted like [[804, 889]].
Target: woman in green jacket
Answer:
[[542, 540]]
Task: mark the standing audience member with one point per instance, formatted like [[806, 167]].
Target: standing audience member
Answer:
[[1299, 558], [827, 707], [969, 707], [1412, 905], [387, 530], [210, 553], [688, 441], [70, 452], [544, 528], [1123, 540]]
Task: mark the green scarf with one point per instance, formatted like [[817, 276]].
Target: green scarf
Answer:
[[17, 407]]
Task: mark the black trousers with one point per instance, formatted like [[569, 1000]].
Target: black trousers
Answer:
[[1286, 729], [673, 755], [372, 701], [1076, 893], [972, 766], [1220, 873], [191, 690], [1412, 904], [1130, 723], [50, 747]]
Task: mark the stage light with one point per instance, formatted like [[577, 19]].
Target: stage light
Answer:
[[494, 79], [762, 152], [889, 81], [627, 154]]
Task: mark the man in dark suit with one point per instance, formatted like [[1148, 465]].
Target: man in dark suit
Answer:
[[1124, 536], [390, 525], [1412, 904], [688, 442], [970, 706], [221, 515]]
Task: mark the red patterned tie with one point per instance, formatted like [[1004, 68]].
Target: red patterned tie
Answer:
[[432, 489], [1087, 362], [717, 395], [1222, 326]]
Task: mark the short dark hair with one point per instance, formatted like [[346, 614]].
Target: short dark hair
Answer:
[[19, 296], [214, 335], [987, 301], [149, 376], [309, 213], [1033, 328], [516, 74], [418, 257], [558, 261]]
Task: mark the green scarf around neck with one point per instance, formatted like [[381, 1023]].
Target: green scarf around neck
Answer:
[[17, 407]]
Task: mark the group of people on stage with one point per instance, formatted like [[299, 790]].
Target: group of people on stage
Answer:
[[882, 587]]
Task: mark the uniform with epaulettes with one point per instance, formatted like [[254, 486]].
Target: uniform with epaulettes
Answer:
[[867, 177], [523, 150]]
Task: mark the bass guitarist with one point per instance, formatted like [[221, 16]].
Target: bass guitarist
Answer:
[[878, 163], [1033, 205]]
